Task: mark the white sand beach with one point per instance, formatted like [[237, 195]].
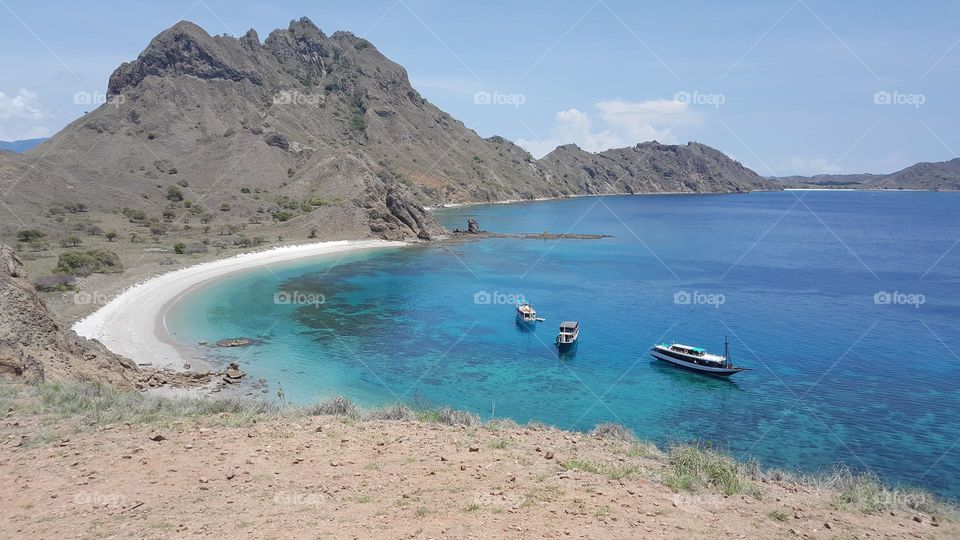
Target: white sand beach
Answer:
[[132, 324]]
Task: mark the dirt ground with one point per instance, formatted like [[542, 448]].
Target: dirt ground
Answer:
[[325, 476]]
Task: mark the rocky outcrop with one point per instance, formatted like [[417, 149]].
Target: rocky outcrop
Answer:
[[394, 216], [652, 167], [36, 348]]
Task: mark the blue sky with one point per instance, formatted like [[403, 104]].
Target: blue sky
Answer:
[[786, 87]]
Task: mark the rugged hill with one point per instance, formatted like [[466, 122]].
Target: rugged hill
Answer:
[[37, 348], [652, 167], [940, 176], [937, 176], [302, 132]]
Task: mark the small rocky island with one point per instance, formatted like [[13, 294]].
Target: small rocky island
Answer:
[[473, 230]]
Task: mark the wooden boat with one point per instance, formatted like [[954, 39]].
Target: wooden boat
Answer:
[[696, 358]]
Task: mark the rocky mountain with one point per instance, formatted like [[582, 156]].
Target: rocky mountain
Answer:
[[305, 132], [652, 167], [35, 347], [20, 146], [937, 176]]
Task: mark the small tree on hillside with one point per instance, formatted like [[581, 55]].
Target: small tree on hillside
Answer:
[[29, 235]]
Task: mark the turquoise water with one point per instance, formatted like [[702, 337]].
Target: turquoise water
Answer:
[[790, 278]]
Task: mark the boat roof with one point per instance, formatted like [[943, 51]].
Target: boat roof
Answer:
[[570, 324], [689, 347]]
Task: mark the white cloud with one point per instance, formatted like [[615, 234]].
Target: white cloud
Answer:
[[810, 166], [24, 105], [624, 123], [20, 115]]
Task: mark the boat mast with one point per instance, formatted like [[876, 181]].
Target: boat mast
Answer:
[[726, 351]]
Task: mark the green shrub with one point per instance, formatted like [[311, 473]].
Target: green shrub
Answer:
[[358, 122], [693, 467], [84, 263], [282, 215], [29, 235], [174, 194], [179, 248]]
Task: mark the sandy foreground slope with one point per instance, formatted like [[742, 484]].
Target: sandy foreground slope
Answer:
[[326, 476]]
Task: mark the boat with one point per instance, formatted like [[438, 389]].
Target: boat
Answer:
[[568, 334], [697, 358], [526, 314]]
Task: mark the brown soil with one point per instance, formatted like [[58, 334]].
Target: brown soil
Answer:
[[327, 477]]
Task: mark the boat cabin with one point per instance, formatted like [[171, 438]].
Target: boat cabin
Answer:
[[686, 349]]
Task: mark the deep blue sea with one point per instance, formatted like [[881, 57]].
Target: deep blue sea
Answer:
[[845, 305]]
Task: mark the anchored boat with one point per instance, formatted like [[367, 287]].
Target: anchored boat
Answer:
[[696, 358], [526, 314], [568, 334]]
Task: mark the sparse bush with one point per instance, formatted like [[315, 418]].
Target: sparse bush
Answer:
[[111, 236], [84, 263], [693, 467], [179, 248], [615, 432], [29, 235], [94, 230], [55, 283], [244, 190], [397, 411], [337, 405], [169, 215], [174, 194], [282, 215], [613, 471], [134, 215], [865, 493], [39, 245], [450, 417], [225, 207], [357, 121], [71, 241]]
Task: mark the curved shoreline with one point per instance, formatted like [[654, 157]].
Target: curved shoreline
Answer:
[[132, 324]]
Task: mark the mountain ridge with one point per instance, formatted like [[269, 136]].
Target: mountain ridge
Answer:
[[305, 134], [927, 176]]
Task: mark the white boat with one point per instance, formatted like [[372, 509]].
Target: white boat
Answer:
[[696, 358], [526, 314], [568, 334]]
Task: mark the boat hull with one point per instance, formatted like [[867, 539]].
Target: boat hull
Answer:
[[709, 370]]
